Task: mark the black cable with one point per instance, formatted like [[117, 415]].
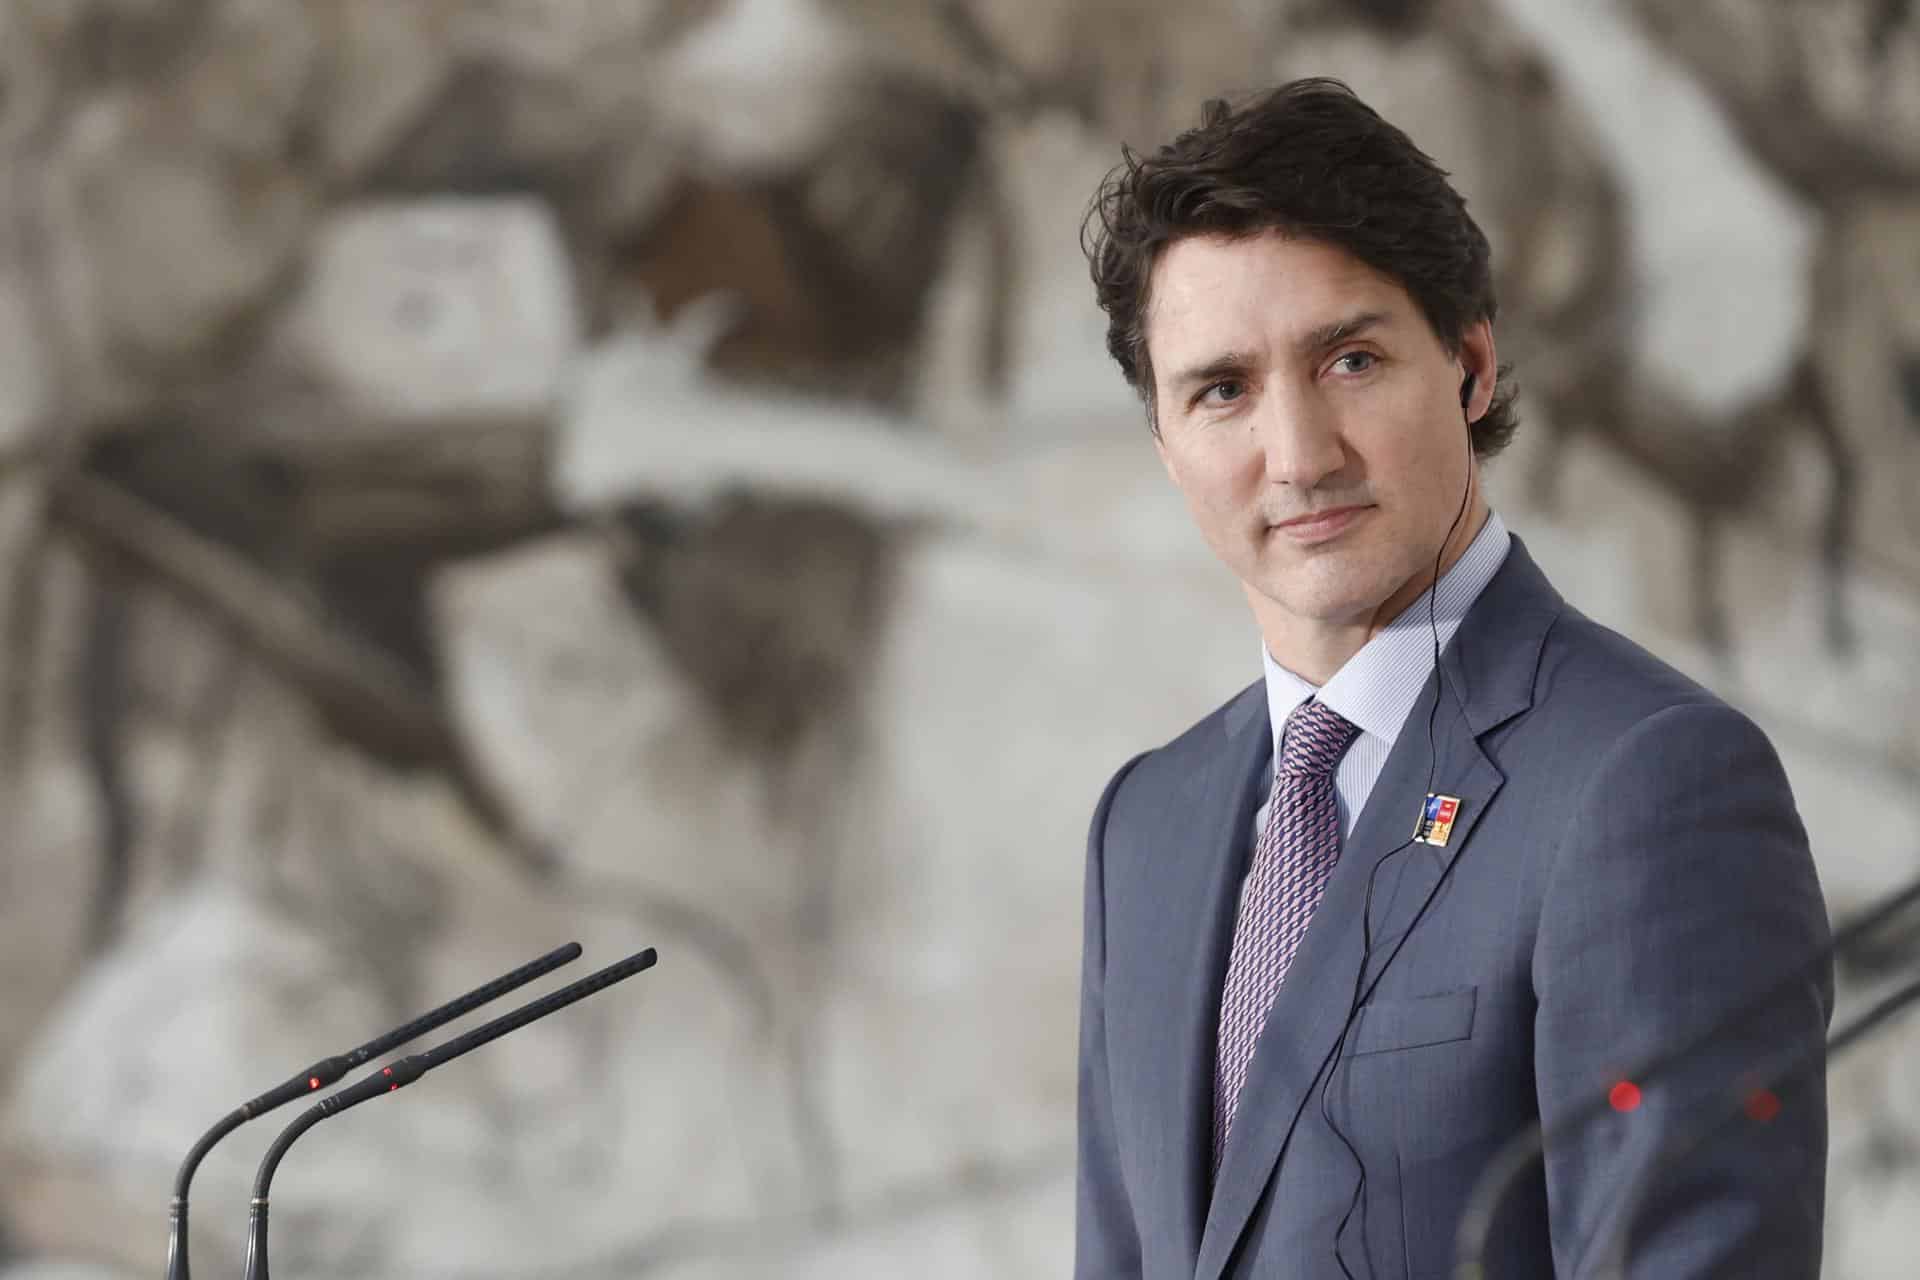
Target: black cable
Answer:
[[1361, 988]]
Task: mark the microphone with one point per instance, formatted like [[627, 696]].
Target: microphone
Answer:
[[399, 1074], [328, 1071], [1614, 1255], [1512, 1161]]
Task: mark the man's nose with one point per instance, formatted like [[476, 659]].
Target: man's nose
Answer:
[[1300, 441]]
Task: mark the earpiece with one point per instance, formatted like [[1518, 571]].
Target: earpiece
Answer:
[[1466, 392]]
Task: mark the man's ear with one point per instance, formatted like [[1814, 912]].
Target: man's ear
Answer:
[[1479, 358]]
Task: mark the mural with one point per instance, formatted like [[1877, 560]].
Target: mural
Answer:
[[477, 473]]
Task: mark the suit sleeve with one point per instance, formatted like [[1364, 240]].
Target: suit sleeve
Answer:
[[1106, 1239], [1683, 893]]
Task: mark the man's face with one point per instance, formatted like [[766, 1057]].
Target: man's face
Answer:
[[1312, 419]]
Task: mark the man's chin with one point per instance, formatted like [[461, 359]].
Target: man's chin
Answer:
[[1335, 598]]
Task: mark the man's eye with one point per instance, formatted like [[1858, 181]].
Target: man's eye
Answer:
[[1365, 361], [1225, 391]]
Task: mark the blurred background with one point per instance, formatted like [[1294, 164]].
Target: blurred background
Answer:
[[475, 473]]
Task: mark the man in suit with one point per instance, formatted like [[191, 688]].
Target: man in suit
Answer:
[[1304, 1034]]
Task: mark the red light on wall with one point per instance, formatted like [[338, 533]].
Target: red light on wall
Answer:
[[1624, 1096], [1763, 1105]]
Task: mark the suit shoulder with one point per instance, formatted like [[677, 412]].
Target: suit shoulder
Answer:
[[1161, 771], [1596, 677], [1201, 741], [1601, 701]]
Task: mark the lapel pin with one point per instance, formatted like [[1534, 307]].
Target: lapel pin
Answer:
[[1436, 820]]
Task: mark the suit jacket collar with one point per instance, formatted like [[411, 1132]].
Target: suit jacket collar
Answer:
[[1490, 667]]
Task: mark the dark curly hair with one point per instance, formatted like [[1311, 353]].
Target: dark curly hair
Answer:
[[1308, 159]]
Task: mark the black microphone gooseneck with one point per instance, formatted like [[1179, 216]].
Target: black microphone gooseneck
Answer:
[[1360, 992], [399, 1074], [329, 1070], [1512, 1161]]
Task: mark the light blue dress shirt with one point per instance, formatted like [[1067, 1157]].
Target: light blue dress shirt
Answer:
[[1377, 687]]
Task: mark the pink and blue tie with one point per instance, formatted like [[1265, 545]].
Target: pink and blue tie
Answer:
[[1291, 864]]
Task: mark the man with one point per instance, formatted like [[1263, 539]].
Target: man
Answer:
[[1304, 1035]]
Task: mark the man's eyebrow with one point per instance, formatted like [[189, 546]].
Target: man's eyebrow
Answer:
[[1332, 335], [1226, 365]]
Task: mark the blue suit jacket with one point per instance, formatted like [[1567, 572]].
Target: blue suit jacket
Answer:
[[1626, 868]]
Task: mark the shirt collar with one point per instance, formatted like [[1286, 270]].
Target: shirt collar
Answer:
[[1377, 687]]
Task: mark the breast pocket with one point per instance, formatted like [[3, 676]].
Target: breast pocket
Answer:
[[1386, 1025]]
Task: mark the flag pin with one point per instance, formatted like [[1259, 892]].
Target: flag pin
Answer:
[[1436, 819]]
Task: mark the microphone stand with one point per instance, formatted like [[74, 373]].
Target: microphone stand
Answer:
[[399, 1074], [328, 1071], [1512, 1161]]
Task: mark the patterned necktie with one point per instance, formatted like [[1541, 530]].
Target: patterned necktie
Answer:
[[1291, 864]]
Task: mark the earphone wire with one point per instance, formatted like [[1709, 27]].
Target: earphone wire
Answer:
[[1361, 987]]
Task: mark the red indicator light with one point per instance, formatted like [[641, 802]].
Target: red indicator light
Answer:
[[1763, 1105], [1624, 1096], [386, 1071], [313, 1082]]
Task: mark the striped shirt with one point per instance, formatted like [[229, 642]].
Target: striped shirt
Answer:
[[1377, 687]]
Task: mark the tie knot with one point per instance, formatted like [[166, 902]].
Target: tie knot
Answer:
[[1315, 738]]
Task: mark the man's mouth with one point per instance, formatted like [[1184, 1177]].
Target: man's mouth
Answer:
[[1319, 526]]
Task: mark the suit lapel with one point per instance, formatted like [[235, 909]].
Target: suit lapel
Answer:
[[1224, 796], [1490, 669], [1408, 871]]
